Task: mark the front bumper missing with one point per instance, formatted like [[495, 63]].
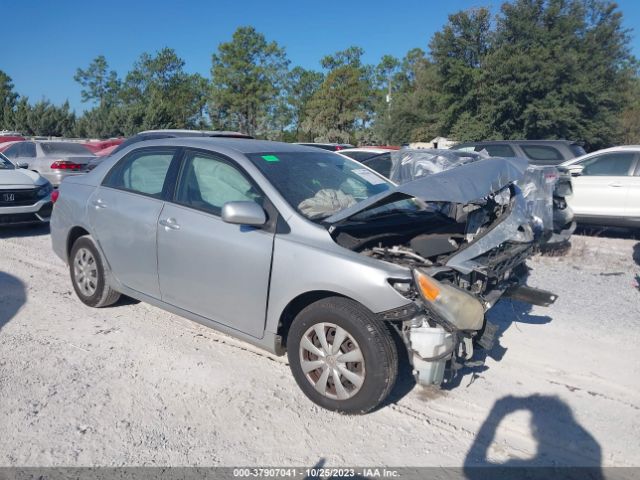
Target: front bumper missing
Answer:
[[434, 346]]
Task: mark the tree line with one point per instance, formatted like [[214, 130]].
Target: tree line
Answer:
[[538, 69]]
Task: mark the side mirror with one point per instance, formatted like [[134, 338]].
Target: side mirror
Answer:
[[244, 213], [22, 165], [575, 170]]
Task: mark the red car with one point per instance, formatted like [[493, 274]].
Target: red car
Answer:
[[96, 146], [11, 138], [4, 144]]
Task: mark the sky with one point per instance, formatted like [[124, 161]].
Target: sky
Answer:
[[44, 42]]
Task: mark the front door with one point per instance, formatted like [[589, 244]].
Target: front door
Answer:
[[602, 188], [124, 212], [208, 267]]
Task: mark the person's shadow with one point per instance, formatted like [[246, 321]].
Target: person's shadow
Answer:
[[12, 297], [563, 446]]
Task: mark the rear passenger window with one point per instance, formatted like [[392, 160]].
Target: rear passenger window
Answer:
[[141, 172], [497, 150], [611, 165], [207, 183], [542, 153]]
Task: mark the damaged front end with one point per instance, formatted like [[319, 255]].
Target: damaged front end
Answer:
[[466, 245]]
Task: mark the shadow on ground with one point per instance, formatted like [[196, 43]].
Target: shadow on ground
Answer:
[[636, 253], [608, 232], [560, 442], [12, 297], [19, 231]]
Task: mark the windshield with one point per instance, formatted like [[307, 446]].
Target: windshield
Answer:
[[5, 164], [320, 184], [65, 148]]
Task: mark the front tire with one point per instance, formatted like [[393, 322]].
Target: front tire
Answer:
[[342, 356], [87, 275]]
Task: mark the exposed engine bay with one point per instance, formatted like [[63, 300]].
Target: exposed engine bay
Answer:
[[464, 254]]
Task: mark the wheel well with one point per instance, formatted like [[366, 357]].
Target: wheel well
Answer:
[[74, 234], [295, 306]]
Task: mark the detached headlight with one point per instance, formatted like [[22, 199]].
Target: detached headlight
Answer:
[[457, 307], [44, 190]]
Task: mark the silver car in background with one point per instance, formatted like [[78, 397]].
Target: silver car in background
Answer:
[[25, 196], [305, 252], [54, 160]]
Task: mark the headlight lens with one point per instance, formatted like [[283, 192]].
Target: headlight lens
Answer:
[[44, 190], [454, 305]]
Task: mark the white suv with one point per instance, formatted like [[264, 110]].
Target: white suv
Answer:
[[606, 187], [25, 196]]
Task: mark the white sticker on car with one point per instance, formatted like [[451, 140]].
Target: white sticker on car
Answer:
[[369, 176]]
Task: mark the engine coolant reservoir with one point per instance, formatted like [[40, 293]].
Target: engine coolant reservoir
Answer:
[[429, 342]]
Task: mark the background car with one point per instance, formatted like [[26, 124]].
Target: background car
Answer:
[[25, 196], [10, 137], [606, 187], [538, 152], [332, 147], [98, 145], [54, 160]]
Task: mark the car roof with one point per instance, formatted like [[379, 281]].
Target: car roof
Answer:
[[196, 133], [240, 145], [619, 148]]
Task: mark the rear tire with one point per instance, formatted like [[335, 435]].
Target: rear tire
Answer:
[[342, 356], [87, 275]]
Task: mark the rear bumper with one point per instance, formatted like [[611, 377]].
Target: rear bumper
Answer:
[[39, 212]]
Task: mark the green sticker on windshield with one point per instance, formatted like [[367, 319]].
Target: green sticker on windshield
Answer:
[[271, 158]]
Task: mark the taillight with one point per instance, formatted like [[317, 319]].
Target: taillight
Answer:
[[54, 196], [65, 165]]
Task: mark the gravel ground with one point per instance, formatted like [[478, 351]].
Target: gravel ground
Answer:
[[133, 385]]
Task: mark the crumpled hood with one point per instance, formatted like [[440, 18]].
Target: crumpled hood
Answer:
[[20, 178], [463, 184]]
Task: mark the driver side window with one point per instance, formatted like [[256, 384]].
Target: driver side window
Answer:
[[612, 165], [207, 183]]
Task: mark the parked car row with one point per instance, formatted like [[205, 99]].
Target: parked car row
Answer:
[[404, 251]]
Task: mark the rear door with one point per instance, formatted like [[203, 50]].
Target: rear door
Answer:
[[602, 190], [208, 267], [124, 213]]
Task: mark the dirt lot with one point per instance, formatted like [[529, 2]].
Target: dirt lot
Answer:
[[133, 385]]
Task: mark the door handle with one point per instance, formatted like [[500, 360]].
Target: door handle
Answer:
[[98, 203], [169, 223], [615, 184]]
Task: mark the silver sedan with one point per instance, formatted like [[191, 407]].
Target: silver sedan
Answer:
[[301, 251], [54, 160]]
